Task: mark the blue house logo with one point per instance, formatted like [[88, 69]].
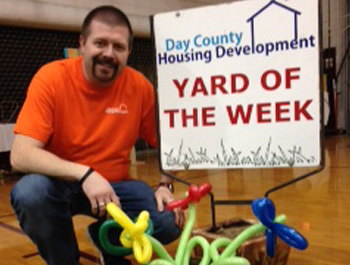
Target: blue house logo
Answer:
[[273, 3]]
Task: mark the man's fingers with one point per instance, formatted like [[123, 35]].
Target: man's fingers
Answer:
[[93, 203], [179, 218], [98, 206], [115, 199], [102, 208], [160, 204], [182, 219]]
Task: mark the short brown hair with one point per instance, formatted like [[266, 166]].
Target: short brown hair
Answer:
[[107, 14]]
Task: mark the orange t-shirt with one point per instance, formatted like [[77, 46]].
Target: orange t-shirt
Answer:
[[93, 126]]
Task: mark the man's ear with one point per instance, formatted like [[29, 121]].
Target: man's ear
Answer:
[[82, 42]]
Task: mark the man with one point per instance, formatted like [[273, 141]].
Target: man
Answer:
[[73, 137]]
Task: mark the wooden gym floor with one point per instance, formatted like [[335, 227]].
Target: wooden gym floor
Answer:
[[318, 207]]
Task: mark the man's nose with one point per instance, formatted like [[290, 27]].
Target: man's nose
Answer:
[[108, 51]]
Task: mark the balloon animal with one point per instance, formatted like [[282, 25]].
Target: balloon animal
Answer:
[[137, 237]]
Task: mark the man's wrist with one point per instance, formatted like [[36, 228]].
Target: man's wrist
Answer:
[[168, 185], [86, 175]]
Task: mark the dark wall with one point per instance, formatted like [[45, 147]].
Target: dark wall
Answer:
[[24, 50]]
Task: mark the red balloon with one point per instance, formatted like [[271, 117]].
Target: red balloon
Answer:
[[194, 195]]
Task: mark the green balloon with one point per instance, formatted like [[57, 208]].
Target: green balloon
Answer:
[[232, 261], [117, 250], [161, 262], [160, 250], [215, 245], [201, 241]]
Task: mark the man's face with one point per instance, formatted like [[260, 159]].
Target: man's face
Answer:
[[105, 50]]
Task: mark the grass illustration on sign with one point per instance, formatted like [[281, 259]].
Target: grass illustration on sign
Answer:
[[229, 156]]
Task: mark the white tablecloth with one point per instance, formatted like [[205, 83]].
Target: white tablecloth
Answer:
[[6, 136]]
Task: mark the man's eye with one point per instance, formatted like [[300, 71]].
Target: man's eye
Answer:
[[119, 47], [99, 44]]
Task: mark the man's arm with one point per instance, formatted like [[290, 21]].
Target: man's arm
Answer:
[[28, 155]]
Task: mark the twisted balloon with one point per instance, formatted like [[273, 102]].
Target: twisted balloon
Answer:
[[265, 211], [133, 235]]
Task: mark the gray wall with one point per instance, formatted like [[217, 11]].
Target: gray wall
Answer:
[[68, 15]]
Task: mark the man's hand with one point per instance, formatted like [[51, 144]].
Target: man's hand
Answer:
[[100, 193], [164, 196]]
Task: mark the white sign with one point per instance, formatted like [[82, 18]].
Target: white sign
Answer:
[[239, 85]]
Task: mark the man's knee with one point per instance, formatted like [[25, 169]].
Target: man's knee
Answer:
[[31, 192], [165, 228]]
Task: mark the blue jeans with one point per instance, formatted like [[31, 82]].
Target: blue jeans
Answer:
[[45, 207]]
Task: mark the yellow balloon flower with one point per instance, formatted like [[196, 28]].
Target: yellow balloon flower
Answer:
[[133, 235]]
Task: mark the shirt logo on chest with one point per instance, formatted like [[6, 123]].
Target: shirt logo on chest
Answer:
[[121, 110]]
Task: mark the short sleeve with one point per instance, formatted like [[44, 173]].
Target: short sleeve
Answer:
[[36, 116]]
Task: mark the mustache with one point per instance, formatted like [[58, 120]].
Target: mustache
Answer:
[[106, 62]]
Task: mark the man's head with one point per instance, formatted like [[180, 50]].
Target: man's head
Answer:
[[105, 42]]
